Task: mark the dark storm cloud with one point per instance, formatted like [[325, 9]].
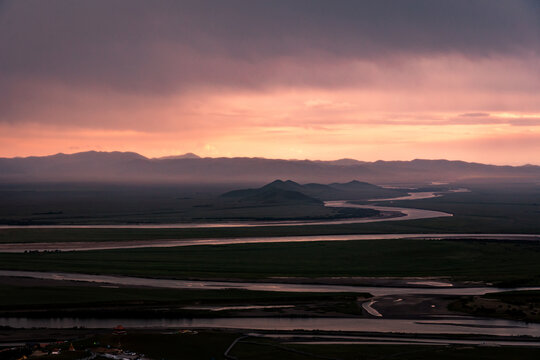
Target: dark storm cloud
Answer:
[[162, 46]]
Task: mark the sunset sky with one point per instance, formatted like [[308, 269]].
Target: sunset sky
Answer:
[[293, 79]]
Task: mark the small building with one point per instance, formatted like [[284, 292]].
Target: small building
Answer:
[[119, 330]]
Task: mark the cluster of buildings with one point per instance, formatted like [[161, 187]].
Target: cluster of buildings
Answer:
[[34, 350]]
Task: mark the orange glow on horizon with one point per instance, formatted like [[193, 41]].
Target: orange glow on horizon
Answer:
[[444, 114]]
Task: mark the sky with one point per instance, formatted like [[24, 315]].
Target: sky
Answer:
[[292, 79]]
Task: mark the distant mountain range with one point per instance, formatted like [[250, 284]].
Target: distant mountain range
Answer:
[[129, 167]]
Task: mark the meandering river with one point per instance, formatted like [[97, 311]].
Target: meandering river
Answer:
[[166, 243], [408, 287], [446, 325], [434, 325], [391, 213]]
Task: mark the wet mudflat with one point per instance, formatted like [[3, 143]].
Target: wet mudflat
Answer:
[[405, 289]]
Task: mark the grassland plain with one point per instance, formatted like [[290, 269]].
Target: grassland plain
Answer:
[[515, 305], [31, 298], [501, 262], [493, 209], [500, 207], [152, 204]]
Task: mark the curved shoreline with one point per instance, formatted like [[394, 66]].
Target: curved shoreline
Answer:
[[401, 287], [391, 214], [462, 326], [166, 243]]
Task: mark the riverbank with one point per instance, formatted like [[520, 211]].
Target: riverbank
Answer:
[[156, 243], [504, 263], [43, 298], [515, 305], [36, 297]]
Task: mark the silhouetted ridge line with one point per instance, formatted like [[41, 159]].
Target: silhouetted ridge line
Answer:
[[336, 191], [129, 167]]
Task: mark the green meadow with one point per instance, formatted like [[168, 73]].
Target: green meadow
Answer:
[[501, 262]]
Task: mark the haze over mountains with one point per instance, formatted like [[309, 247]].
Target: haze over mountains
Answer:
[[131, 167]]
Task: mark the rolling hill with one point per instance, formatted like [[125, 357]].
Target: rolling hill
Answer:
[[354, 190]]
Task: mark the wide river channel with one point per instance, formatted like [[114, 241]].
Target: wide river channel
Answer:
[[433, 325], [442, 325], [390, 214]]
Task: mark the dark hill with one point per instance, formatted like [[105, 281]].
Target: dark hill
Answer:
[[355, 185], [275, 192], [354, 190], [278, 196], [288, 185], [280, 185]]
